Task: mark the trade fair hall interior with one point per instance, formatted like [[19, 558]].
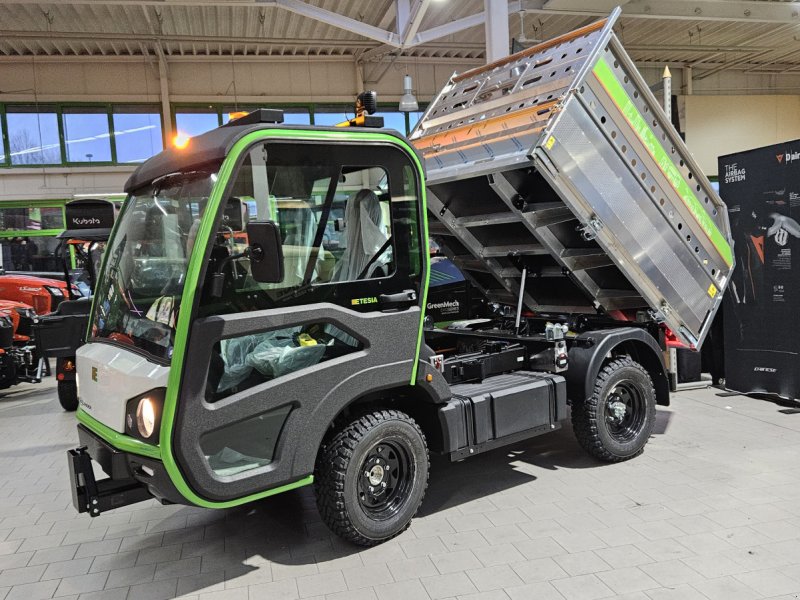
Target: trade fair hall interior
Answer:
[[399, 299]]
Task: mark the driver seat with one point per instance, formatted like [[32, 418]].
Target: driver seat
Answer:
[[365, 235]]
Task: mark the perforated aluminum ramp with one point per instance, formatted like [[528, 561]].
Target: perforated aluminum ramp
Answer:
[[558, 160]]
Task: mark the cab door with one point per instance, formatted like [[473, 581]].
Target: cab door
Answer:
[[269, 366]]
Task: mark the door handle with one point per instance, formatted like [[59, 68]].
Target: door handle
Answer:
[[396, 300]]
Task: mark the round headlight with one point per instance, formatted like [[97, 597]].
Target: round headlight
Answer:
[[146, 417]]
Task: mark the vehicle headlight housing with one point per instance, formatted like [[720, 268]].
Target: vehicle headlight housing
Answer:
[[146, 417], [54, 290], [143, 415]]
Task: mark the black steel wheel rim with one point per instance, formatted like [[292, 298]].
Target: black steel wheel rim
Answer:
[[624, 411], [385, 479]]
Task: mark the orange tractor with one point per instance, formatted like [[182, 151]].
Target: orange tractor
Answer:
[[22, 299], [19, 359]]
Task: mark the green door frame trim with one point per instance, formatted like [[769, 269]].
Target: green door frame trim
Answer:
[[192, 282]]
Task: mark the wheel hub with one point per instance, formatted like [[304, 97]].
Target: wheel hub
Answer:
[[376, 474], [385, 479], [617, 410], [625, 411]]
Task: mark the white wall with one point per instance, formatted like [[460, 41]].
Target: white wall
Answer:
[[727, 83], [719, 125], [50, 183], [210, 79], [45, 79]]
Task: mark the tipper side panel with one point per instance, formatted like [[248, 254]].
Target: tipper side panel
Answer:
[[578, 180]]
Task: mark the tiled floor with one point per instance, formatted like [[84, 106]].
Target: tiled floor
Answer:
[[709, 511]]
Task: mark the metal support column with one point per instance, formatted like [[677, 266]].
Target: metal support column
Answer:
[[687, 80], [496, 27]]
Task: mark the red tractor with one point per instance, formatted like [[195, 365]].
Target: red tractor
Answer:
[[41, 294], [22, 299], [19, 358]]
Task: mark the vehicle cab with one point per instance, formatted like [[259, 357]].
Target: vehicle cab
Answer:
[[244, 300]]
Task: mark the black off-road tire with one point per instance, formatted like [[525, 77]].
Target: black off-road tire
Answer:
[[68, 395], [590, 419], [341, 469]]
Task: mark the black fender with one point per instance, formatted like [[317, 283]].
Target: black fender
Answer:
[[589, 351]]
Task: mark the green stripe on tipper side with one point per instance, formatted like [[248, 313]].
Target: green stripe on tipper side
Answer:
[[605, 75]]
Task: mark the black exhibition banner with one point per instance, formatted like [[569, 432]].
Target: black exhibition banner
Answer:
[[761, 188]]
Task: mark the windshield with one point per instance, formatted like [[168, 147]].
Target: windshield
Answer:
[[139, 295]]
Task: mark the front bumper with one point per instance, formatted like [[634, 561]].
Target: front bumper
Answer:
[[131, 478]]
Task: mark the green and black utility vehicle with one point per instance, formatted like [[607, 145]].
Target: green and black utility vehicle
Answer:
[[259, 323]]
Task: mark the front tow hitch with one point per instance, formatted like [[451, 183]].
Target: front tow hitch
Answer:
[[95, 497]]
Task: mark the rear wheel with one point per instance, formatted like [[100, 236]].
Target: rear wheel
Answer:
[[615, 423], [371, 477], [68, 395]]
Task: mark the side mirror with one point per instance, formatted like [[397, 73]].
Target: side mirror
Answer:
[[266, 251]]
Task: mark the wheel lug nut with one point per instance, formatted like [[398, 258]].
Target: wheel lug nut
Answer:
[[380, 449], [383, 485]]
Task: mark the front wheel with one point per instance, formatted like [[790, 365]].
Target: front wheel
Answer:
[[371, 476], [615, 423], [68, 395]]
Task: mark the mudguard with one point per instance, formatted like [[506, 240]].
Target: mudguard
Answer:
[[589, 351]]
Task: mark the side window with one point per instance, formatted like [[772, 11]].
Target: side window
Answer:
[[358, 233], [335, 221], [245, 361]]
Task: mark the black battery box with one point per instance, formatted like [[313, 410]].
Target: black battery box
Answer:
[[495, 359]]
